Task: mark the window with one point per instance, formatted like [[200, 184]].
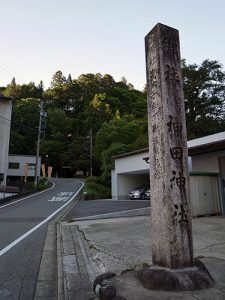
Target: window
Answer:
[[14, 165], [31, 166]]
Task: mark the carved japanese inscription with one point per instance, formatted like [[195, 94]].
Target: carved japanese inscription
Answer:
[[169, 181]]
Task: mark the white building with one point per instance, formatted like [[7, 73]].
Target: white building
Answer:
[[18, 163], [207, 173], [5, 123]]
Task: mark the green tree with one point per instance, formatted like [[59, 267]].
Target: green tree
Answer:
[[204, 92], [116, 131], [24, 91], [99, 111], [52, 154], [24, 126], [58, 80], [108, 161], [12, 89], [62, 146], [130, 102]]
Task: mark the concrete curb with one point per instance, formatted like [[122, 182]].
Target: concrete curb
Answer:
[[77, 265], [49, 283], [120, 214], [59, 265], [77, 268], [130, 287]]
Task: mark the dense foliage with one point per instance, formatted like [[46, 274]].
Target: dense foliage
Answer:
[[93, 118], [79, 110], [204, 91]]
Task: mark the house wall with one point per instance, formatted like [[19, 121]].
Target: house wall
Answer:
[[5, 123], [131, 171], [207, 162], [132, 163], [22, 159], [204, 195], [114, 184]]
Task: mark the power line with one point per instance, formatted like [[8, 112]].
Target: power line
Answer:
[[11, 71], [21, 126], [4, 118], [5, 74], [16, 124], [3, 122], [6, 124], [10, 76]]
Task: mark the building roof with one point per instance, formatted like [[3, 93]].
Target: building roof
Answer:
[[4, 97], [131, 153], [207, 144], [23, 155]]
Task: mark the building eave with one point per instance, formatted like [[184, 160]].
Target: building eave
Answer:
[[207, 144], [5, 98]]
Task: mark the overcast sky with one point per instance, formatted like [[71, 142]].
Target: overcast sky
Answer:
[[40, 37]]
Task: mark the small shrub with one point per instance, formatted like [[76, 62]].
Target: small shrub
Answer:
[[41, 183], [95, 189]]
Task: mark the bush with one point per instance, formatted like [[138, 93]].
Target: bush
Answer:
[[95, 189], [42, 183]]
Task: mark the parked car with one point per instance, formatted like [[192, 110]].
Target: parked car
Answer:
[[139, 192], [147, 194]]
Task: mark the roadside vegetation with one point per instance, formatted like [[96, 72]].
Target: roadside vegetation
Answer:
[[93, 118], [42, 184], [94, 188]]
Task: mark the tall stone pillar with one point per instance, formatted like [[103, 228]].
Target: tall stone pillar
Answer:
[[172, 247], [170, 197]]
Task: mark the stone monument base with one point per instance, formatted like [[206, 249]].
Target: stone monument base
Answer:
[[127, 286], [186, 279]]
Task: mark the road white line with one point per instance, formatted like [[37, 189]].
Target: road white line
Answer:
[[11, 203], [14, 243]]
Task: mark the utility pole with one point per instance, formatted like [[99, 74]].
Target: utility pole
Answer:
[[38, 144], [91, 146], [42, 125]]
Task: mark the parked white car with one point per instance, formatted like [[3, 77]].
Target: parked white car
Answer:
[[147, 194], [139, 192]]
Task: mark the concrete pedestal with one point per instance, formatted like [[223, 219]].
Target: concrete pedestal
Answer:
[[185, 279]]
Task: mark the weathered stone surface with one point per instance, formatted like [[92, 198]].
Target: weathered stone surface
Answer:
[[128, 286], [185, 279], [172, 246], [107, 292], [169, 181], [99, 279]]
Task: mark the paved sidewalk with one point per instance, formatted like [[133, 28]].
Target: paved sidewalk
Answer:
[[91, 247]]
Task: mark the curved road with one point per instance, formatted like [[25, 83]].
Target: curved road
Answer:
[[23, 228]]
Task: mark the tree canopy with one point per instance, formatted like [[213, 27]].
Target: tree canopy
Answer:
[[204, 91], [113, 115]]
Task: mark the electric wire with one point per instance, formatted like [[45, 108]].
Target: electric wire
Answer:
[[4, 118], [5, 74], [16, 124], [8, 70], [21, 126]]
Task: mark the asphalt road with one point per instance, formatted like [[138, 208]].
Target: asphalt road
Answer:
[[23, 228], [97, 207]]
